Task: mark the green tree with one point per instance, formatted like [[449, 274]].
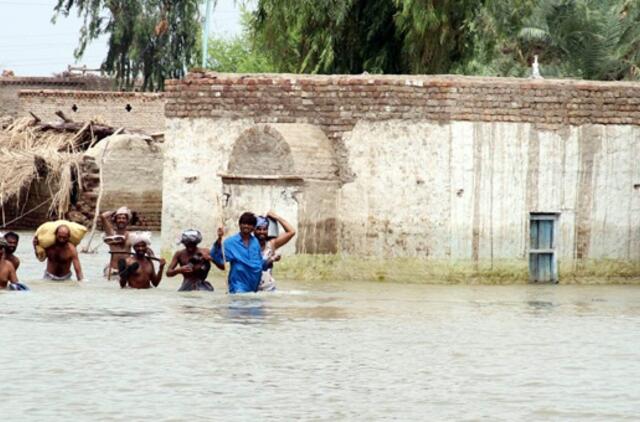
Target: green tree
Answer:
[[149, 39], [237, 55], [328, 36], [595, 39], [591, 39], [432, 34]]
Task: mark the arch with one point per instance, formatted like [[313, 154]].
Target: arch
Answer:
[[292, 169], [282, 149], [260, 151]]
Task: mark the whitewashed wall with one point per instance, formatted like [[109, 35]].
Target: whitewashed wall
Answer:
[[197, 150], [464, 191]]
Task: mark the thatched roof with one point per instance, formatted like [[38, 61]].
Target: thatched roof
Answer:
[[31, 150]]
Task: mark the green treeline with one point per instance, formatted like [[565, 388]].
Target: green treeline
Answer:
[[590, 39], [153, 40]]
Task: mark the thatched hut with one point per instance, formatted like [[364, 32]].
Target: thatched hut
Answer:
[[50, 171]]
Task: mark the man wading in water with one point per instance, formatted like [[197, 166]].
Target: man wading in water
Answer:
[[8, 277], [12, 242], [116, 237], [137, 271], [194, 263], [242, 251], [60, 256], [269, 247]]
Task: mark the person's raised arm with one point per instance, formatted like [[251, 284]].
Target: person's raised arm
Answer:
[[158, 276], [217, 253], [76, 263], [107, 225], [288, 234]]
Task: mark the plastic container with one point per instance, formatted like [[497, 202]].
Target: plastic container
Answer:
[[273, 230]]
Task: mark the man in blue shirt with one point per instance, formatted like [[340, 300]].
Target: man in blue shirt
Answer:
[[243, 253]]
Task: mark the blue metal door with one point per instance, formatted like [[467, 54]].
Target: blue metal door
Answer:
[[542, 259]]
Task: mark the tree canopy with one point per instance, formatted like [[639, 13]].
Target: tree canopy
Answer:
[[596, 39], [152, 40], [148, 39]]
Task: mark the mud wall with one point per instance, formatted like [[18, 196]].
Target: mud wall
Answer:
[[444, 168], [10, 87], [464, 191], [213, 184], [130, 110]]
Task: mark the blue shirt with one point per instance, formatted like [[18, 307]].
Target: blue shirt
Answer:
[[246, 263]]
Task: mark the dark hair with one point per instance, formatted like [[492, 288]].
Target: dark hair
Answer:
[[12, 234], [248, 218], [61, 226]]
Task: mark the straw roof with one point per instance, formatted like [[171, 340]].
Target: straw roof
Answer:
[[32, 151]]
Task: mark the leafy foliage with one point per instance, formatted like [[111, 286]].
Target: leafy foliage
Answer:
[[328, 36], [595, 39], [148, 39], [237, 55]]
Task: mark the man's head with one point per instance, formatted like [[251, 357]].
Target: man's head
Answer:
[[262, 228], [190, 239], [140, 249], [63, 234], [122, 217], [247, 223], [12, 239], [140, 242]]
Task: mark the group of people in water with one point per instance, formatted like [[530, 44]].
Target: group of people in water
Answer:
[[251, 254]]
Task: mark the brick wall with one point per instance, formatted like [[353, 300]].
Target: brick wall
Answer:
[[11, 86], [132, 110], [337, 102]]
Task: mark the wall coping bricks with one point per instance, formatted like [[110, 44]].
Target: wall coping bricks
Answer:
[[40, 80], [144, 96], [337, 102]]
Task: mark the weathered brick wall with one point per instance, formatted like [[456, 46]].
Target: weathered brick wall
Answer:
[[132, 110], [11, 86], [336, 102]]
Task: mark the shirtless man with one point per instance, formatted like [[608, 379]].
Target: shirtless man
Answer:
[[60, 256], [116, 237], [137, 271], [12, 239], [8, 275], [194, 263]]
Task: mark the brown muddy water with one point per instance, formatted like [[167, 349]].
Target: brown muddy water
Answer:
[[317, 351]]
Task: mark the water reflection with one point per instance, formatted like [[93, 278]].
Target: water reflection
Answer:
[[247, 309], [540, 305]]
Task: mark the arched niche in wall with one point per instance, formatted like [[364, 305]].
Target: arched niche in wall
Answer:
[[292, 169]]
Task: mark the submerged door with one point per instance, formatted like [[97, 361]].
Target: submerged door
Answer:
[[543, 266]]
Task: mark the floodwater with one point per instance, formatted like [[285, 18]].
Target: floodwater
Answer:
[[330, 351]]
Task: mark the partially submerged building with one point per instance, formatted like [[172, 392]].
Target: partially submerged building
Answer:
[[534, 178]]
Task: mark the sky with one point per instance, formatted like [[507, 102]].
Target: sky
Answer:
[[30, 45]]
